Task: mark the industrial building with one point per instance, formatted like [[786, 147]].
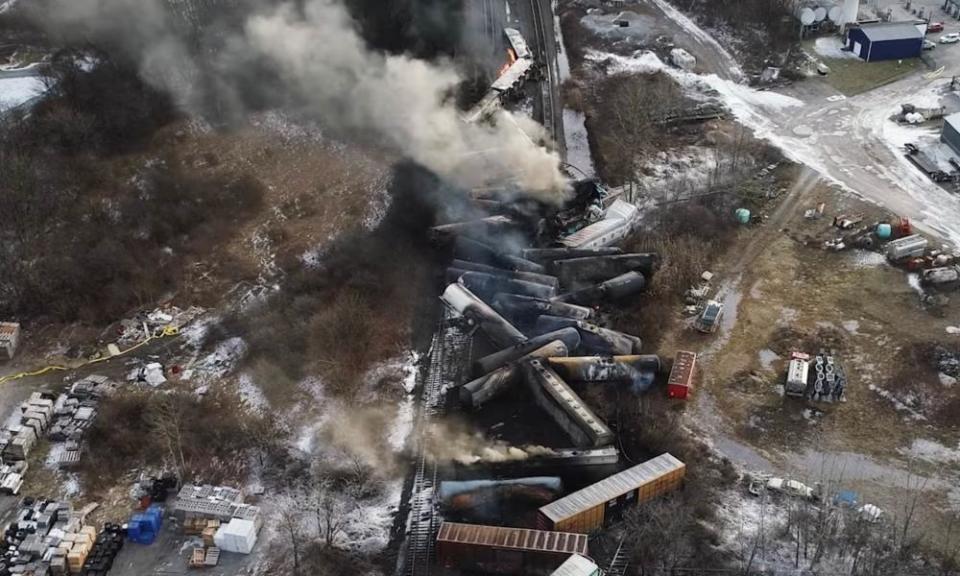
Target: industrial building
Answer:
[[502, 550], [886, 41], [596, 505], [950, 135]]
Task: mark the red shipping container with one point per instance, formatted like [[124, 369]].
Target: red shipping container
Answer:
[[680, 383]]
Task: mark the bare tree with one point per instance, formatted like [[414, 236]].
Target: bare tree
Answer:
[[167, 420], [331, 500], [291, 522]]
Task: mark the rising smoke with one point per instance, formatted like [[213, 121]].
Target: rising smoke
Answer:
[[453, 442], [318, 61]]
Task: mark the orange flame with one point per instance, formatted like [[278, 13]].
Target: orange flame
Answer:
[[511, 58]]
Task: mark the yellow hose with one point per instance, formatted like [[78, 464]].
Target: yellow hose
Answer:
[[166, 332]]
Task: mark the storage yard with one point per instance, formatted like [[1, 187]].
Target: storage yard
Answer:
[[568, 288]]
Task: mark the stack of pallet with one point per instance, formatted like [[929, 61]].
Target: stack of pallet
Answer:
[[73, 414], [203, 527], [105, 549], [30, 423], [78, 547], [11, 477], [205, 557], [48, 538]]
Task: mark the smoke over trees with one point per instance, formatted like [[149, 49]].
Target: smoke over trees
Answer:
[[311, 57]]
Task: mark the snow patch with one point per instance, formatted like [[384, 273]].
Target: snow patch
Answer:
[[222, 360], [679, 171], [932, 451], [767, 358], [851, 326], [578, 146], [252, 394], [832, 47], [367, 527], [16, 92], [700, 35]]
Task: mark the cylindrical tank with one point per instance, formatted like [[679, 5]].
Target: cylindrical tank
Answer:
[[743, 215], [480, 252], [593, 339], [468, 266], [600, 268], [525, 309], [605, 368], [551, 254], [482, 228], [851, 9], [478, 392], [884, 231], [569, 336], [835, 14], [806, 16], [495, 326], [819, 14], [486, 285], [613, 289]]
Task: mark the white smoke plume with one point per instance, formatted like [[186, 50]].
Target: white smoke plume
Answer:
[[325, 64], [450, 442]]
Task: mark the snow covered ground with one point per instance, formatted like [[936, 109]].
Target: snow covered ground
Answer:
[[578, 146], [18, 91], [851, 142], [832, 47]]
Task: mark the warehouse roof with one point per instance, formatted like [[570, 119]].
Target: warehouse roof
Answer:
[[611, 487], [892, 31], [512, 538]]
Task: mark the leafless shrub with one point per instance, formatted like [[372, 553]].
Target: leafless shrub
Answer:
[[203, 438], [625, 110]]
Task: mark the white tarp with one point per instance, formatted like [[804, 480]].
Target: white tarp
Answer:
[[236, 536]]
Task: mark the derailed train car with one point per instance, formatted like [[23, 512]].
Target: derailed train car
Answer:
[[499, 550], [599, 504], [567, 409]]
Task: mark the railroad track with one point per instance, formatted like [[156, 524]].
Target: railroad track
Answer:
[[449, 357], [621, 561], [551, 108]]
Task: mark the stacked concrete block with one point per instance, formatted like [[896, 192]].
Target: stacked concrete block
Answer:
[[46, 538], [195, 505]]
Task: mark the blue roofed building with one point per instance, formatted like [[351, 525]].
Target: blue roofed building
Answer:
[[887, 41]]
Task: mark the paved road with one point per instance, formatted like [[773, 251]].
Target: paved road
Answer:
[[852, 142], [849, 141]]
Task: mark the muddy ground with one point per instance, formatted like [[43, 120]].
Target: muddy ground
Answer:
[[792, 294]]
